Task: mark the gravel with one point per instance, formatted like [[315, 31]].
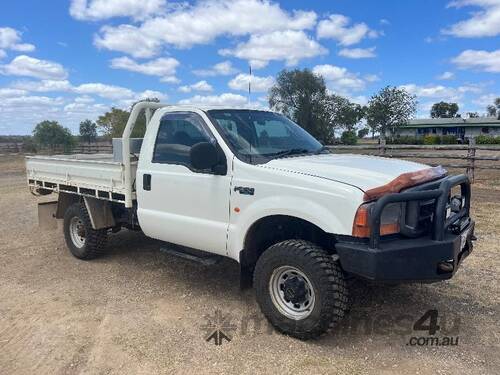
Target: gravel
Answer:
[[139, 310]]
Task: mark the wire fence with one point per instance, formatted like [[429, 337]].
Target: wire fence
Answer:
[[471, 156], [451, 156]]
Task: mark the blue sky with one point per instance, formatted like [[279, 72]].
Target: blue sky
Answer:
[[71, 60]]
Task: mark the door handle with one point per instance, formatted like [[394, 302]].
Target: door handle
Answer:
[[146, 181]]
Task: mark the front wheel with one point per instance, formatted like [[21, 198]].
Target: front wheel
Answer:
[[300, 289], [82, 240]]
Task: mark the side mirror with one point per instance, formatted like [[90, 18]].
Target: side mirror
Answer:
[[203, 156]]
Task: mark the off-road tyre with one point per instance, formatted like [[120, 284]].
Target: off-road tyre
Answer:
[[327, 279], [92, 243]]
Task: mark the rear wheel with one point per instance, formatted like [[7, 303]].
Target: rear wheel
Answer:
[[82, 240], [300, 289]]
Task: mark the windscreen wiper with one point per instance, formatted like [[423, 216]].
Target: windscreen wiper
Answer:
[[292, 151], [323, 150]]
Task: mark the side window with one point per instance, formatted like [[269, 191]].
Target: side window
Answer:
[[177, 133]]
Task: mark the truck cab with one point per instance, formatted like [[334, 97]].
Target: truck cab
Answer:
[[254, 186]]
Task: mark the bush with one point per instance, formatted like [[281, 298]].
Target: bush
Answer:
[[29, 145], [363, 132], [487, 140], [349, 137], [406, 140], [448, 139], [52, 135], [432, 140]]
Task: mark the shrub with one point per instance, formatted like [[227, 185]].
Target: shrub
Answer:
[[448, 139], [51, 134], [431, 139], [487, 140], [349, 137], [363, 132], [29, 145], [406, 140]]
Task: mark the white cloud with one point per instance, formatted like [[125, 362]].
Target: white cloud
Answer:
[[21, 110], [480, 60], [11, 39], [357, 53], [2, 54], [99, 89], [371, 78], [188, 25], [10, 92], [432, 91], [31, 67], [198, 86], [92, 110], [446, 76], [43, 85], [164, 67], [337, 27], [484, 100], [112, 92], [429, 94], [339, 79], [224, 68], [129, 39], [258, 84], [483, 23], [102, 9], [84, 99], [30, 101], [103, 90], [226, 99], [289, 45]]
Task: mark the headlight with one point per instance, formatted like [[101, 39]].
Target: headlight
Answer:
[[389, 220]]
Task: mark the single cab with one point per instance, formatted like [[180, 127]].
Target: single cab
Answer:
[[255, 187]]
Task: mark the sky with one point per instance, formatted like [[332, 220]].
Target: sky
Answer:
[[72, 60]]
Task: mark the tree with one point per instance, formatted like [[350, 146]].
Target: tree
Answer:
[[113, 122], [349, 137], [472, 114], [494, 109], [343, 113], [389, 109], [444, 110], [88, 131], [51, 134], [363, 132], [300, 95], [491, 110]]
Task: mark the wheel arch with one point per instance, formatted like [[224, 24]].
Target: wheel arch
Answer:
[[271, 229]]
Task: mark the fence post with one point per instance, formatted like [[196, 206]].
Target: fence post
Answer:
[[471, 158], [381, 147]]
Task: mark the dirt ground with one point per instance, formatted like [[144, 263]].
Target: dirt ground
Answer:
[[138, 310]]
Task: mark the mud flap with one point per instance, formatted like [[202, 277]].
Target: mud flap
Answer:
[[47, 215]]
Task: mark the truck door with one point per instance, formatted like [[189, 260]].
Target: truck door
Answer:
[[175, 202]]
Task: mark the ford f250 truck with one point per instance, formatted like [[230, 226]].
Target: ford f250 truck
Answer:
[[255, 187]]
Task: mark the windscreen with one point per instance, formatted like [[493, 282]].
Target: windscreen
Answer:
[[257, 136]]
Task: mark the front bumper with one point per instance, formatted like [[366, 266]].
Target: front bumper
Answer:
[[431, 257], [407, 260]]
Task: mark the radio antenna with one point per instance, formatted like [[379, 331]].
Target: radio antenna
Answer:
[[249, 83]]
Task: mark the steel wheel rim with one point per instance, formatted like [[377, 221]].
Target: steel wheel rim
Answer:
[[77, 232], [280, 297]]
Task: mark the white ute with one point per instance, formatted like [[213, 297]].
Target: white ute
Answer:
[[255, 187]]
